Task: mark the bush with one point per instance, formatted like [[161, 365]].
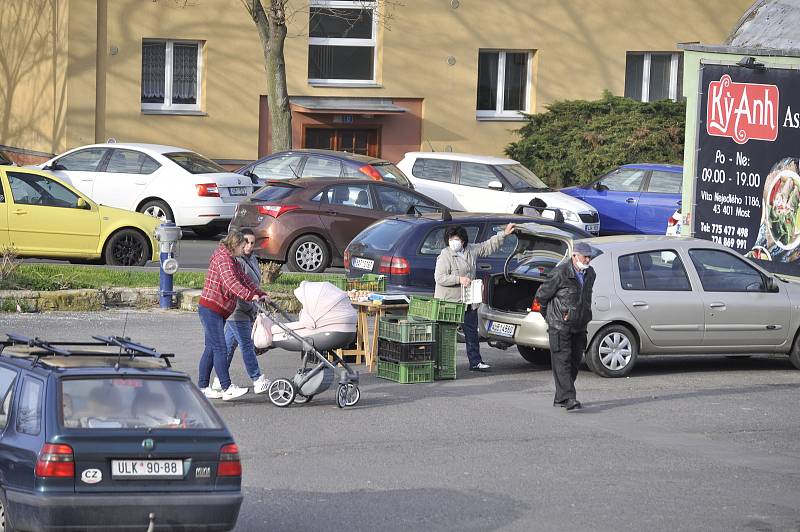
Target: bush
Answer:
[[576, 140]]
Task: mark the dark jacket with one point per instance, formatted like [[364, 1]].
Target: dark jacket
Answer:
[[246, 310], [566, 306]]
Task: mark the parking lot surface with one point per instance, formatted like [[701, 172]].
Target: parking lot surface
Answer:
[[684, 443]]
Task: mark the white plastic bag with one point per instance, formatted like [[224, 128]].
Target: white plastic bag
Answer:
[[472, 294], [262, 331]]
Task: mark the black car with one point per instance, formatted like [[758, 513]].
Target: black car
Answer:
[[322, 163], [103, 435], [405, 248]]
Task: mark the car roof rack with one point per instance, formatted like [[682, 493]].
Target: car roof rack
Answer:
[[127, 348]]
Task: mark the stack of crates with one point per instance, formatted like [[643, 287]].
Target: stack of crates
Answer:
[[405, 349], [369, 281], [447, 316]]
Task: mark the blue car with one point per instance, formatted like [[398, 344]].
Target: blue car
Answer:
[[322, 163], [405, 248], [103, 435], [634, 198]]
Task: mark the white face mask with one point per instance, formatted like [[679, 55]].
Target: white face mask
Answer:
[[581, 266], [455, 245]]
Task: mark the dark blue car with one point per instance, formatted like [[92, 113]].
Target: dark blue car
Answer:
[[405, 248], [103, 435], [634, 198], [322, 163]]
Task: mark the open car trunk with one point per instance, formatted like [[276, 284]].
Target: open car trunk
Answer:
[[539, 249]]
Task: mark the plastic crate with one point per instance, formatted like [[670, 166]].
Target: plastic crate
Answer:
[[399, 352], [406, 330], [339, 282], [405, 372], [444, 364], [436, 309]]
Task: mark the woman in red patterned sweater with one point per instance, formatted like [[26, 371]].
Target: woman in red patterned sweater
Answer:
[[225, 283]]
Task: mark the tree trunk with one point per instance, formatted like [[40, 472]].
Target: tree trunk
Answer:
[[271, 27]]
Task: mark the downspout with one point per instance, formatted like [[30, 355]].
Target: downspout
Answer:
[[101, 64]]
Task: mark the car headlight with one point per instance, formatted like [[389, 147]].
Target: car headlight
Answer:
[[570, 216]]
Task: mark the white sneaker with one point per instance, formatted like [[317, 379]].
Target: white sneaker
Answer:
[[233, 392], [261, 384], [216, 385], [211, 393], [481, 366]]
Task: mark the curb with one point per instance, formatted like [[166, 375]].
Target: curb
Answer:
[[87, 299]]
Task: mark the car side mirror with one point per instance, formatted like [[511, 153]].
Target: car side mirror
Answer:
[[599, 186], [770, 284], [82, 204], [495, 185]]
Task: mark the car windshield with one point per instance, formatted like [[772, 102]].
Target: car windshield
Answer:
[[383, 235], [391, 173], [4, 159], [520, 178], [194, 163], [134, 403]]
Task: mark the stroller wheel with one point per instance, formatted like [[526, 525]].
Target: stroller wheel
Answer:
[[281, 392], [300, 399], [347, 395]]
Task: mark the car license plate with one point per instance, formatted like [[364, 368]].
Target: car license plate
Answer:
[[134, 469], [502, 329], [362, 264], [238, 191], [593, 228]]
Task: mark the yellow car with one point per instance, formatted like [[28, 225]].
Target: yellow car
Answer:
[[41, 216]]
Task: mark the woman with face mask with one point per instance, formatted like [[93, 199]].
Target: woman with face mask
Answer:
[[455, 268]]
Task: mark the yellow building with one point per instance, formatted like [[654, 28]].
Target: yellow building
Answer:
[[383, 79]]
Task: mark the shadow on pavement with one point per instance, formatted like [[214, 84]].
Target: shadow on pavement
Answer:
[[429, 509]]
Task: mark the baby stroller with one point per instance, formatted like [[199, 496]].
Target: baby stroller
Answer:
[[327, 322]]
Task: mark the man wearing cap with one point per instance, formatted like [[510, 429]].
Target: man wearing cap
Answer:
[[566, 301]]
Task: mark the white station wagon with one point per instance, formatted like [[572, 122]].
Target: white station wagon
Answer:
[[163, 181], [477, 183]]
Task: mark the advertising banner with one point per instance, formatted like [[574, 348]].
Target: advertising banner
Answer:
[[747, 187]]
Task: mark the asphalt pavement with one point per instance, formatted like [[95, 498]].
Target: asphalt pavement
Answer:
[[684, 443]]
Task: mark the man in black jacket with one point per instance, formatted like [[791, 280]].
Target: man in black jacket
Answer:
[[566, 301]]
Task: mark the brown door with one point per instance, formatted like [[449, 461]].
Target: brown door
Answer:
[[361, 141]]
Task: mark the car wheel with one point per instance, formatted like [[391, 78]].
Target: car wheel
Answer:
[[308, 254], [537, 357], [613, 352], [206, 231], [158, 209], [5, 522], [127, 248], [794, 354]]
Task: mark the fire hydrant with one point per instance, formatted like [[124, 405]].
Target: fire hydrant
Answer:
[[167, 235]]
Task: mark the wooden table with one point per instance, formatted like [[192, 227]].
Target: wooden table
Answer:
[[366, 345]]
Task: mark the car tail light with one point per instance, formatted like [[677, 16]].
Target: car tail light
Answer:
[[346, 258], [55, 460], [208, 190], [370, 170], [276, 210], [536, 306], [229, 464], [394, 265]]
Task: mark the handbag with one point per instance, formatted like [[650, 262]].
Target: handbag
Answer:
[[262, 331]]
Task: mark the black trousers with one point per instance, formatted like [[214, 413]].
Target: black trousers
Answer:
[[566, 351]]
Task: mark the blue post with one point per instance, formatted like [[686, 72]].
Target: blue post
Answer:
[[165, 282], [167, 235]]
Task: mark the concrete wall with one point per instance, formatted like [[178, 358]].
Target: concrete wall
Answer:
[[579, 45]]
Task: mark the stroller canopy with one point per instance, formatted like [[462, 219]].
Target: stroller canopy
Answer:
[[325, 308]]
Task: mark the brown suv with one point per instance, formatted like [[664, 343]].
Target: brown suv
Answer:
[[308, 222]]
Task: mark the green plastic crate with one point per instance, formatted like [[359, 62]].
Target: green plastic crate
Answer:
[[369, 281], [444, 364], [339, 282], [406, 330], [405, 372], [436, 309]]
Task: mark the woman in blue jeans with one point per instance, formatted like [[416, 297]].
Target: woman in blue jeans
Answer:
[[239, 327]]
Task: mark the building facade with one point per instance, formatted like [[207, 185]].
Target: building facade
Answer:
[[378, 78]]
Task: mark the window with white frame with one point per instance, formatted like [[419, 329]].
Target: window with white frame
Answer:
[[652, 76], [504, 79], [171, 74], [342, 42]]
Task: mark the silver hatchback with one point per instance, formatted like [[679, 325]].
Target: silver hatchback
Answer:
[[654, 295]]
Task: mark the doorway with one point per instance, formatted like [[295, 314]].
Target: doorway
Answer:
[[360, 141]]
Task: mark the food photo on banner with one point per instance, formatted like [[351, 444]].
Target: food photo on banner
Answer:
[[747, 187]]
